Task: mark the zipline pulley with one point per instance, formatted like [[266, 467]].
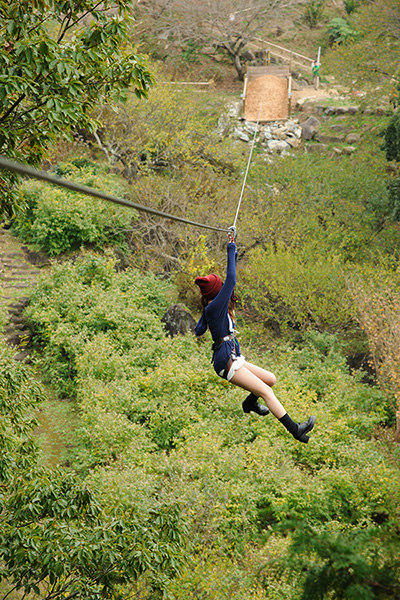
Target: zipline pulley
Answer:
[[232, 233]]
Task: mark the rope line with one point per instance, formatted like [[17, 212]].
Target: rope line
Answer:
[[251, 153], [18, 167]]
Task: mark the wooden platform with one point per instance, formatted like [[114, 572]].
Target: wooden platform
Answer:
[[266, 93]]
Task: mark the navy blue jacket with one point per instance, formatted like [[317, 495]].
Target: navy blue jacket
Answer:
[[216, 317]]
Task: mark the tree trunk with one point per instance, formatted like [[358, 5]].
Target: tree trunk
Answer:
[[238, 67], [397, 434]]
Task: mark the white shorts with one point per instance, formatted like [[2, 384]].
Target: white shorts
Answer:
[[236, 364]]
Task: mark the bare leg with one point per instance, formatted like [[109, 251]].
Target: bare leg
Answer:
[[248, 380], [265, 376]]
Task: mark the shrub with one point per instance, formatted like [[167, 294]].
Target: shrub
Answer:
[[394, 199], [58, 220], [340, 31], [391, 143], [295, 289], [347, 564], [87, 301], [313, 12], [20, 395]]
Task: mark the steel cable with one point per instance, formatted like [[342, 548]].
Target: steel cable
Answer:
[[18, 167]]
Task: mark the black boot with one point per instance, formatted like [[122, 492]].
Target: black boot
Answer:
[[298, 430], [251, 404]]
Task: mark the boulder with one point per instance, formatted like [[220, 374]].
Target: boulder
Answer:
[[277, 145], [353, 138], [282, 135], [329, 139], [319, 148], [248, 55], [349, 150], [241, 135], [309, 128], [294, 142], [340, 127], [319, 109], [178, 320]]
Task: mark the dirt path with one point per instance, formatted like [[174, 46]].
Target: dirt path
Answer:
[[19, 271], [313, 94]]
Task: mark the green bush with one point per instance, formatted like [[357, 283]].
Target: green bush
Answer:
[[346, 564], [157, 425], [394, 199], [20, 395], [313, 12], [391, 143], [78, 303], [297, 289], [58, 220], [341, 32]]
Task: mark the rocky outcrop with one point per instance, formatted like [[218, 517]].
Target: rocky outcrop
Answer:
[[281, 137], [276, 136], [309, 128], [178, 320]]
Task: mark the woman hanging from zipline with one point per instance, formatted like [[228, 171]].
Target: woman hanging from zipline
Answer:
[[219, 316]]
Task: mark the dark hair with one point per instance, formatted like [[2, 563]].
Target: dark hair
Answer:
[[231, 305], [204, 301], [231, 308]]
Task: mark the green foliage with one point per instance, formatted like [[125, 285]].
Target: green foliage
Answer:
[[352, 5], [58, 220], [54, 69], [155, 421], [391, 143], [347, 564], [341, 32], [172, 129], [293, 288], [189, 55], [55, 538], [363, 64], [313, 12], [20, 394], [82, 301], [394, 199]]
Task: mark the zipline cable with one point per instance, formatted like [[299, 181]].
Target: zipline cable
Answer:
[[18, 167], [251, 153]]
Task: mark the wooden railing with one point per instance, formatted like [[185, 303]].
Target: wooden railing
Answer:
[[284, 53]]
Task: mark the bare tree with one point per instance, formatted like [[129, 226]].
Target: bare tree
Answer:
[[227, 24]]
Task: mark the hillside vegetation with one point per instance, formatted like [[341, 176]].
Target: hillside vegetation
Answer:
[[164, 488]]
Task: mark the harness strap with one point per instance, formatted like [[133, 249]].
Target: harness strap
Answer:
[[227, 368], [220, 341]]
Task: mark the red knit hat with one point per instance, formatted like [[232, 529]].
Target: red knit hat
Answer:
[[209, 286]]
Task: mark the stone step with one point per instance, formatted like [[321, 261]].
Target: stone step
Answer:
[[20, 285], [21, 301], [18, 320], [14, 328], [19, 338], [16, 265], [23, 356]]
